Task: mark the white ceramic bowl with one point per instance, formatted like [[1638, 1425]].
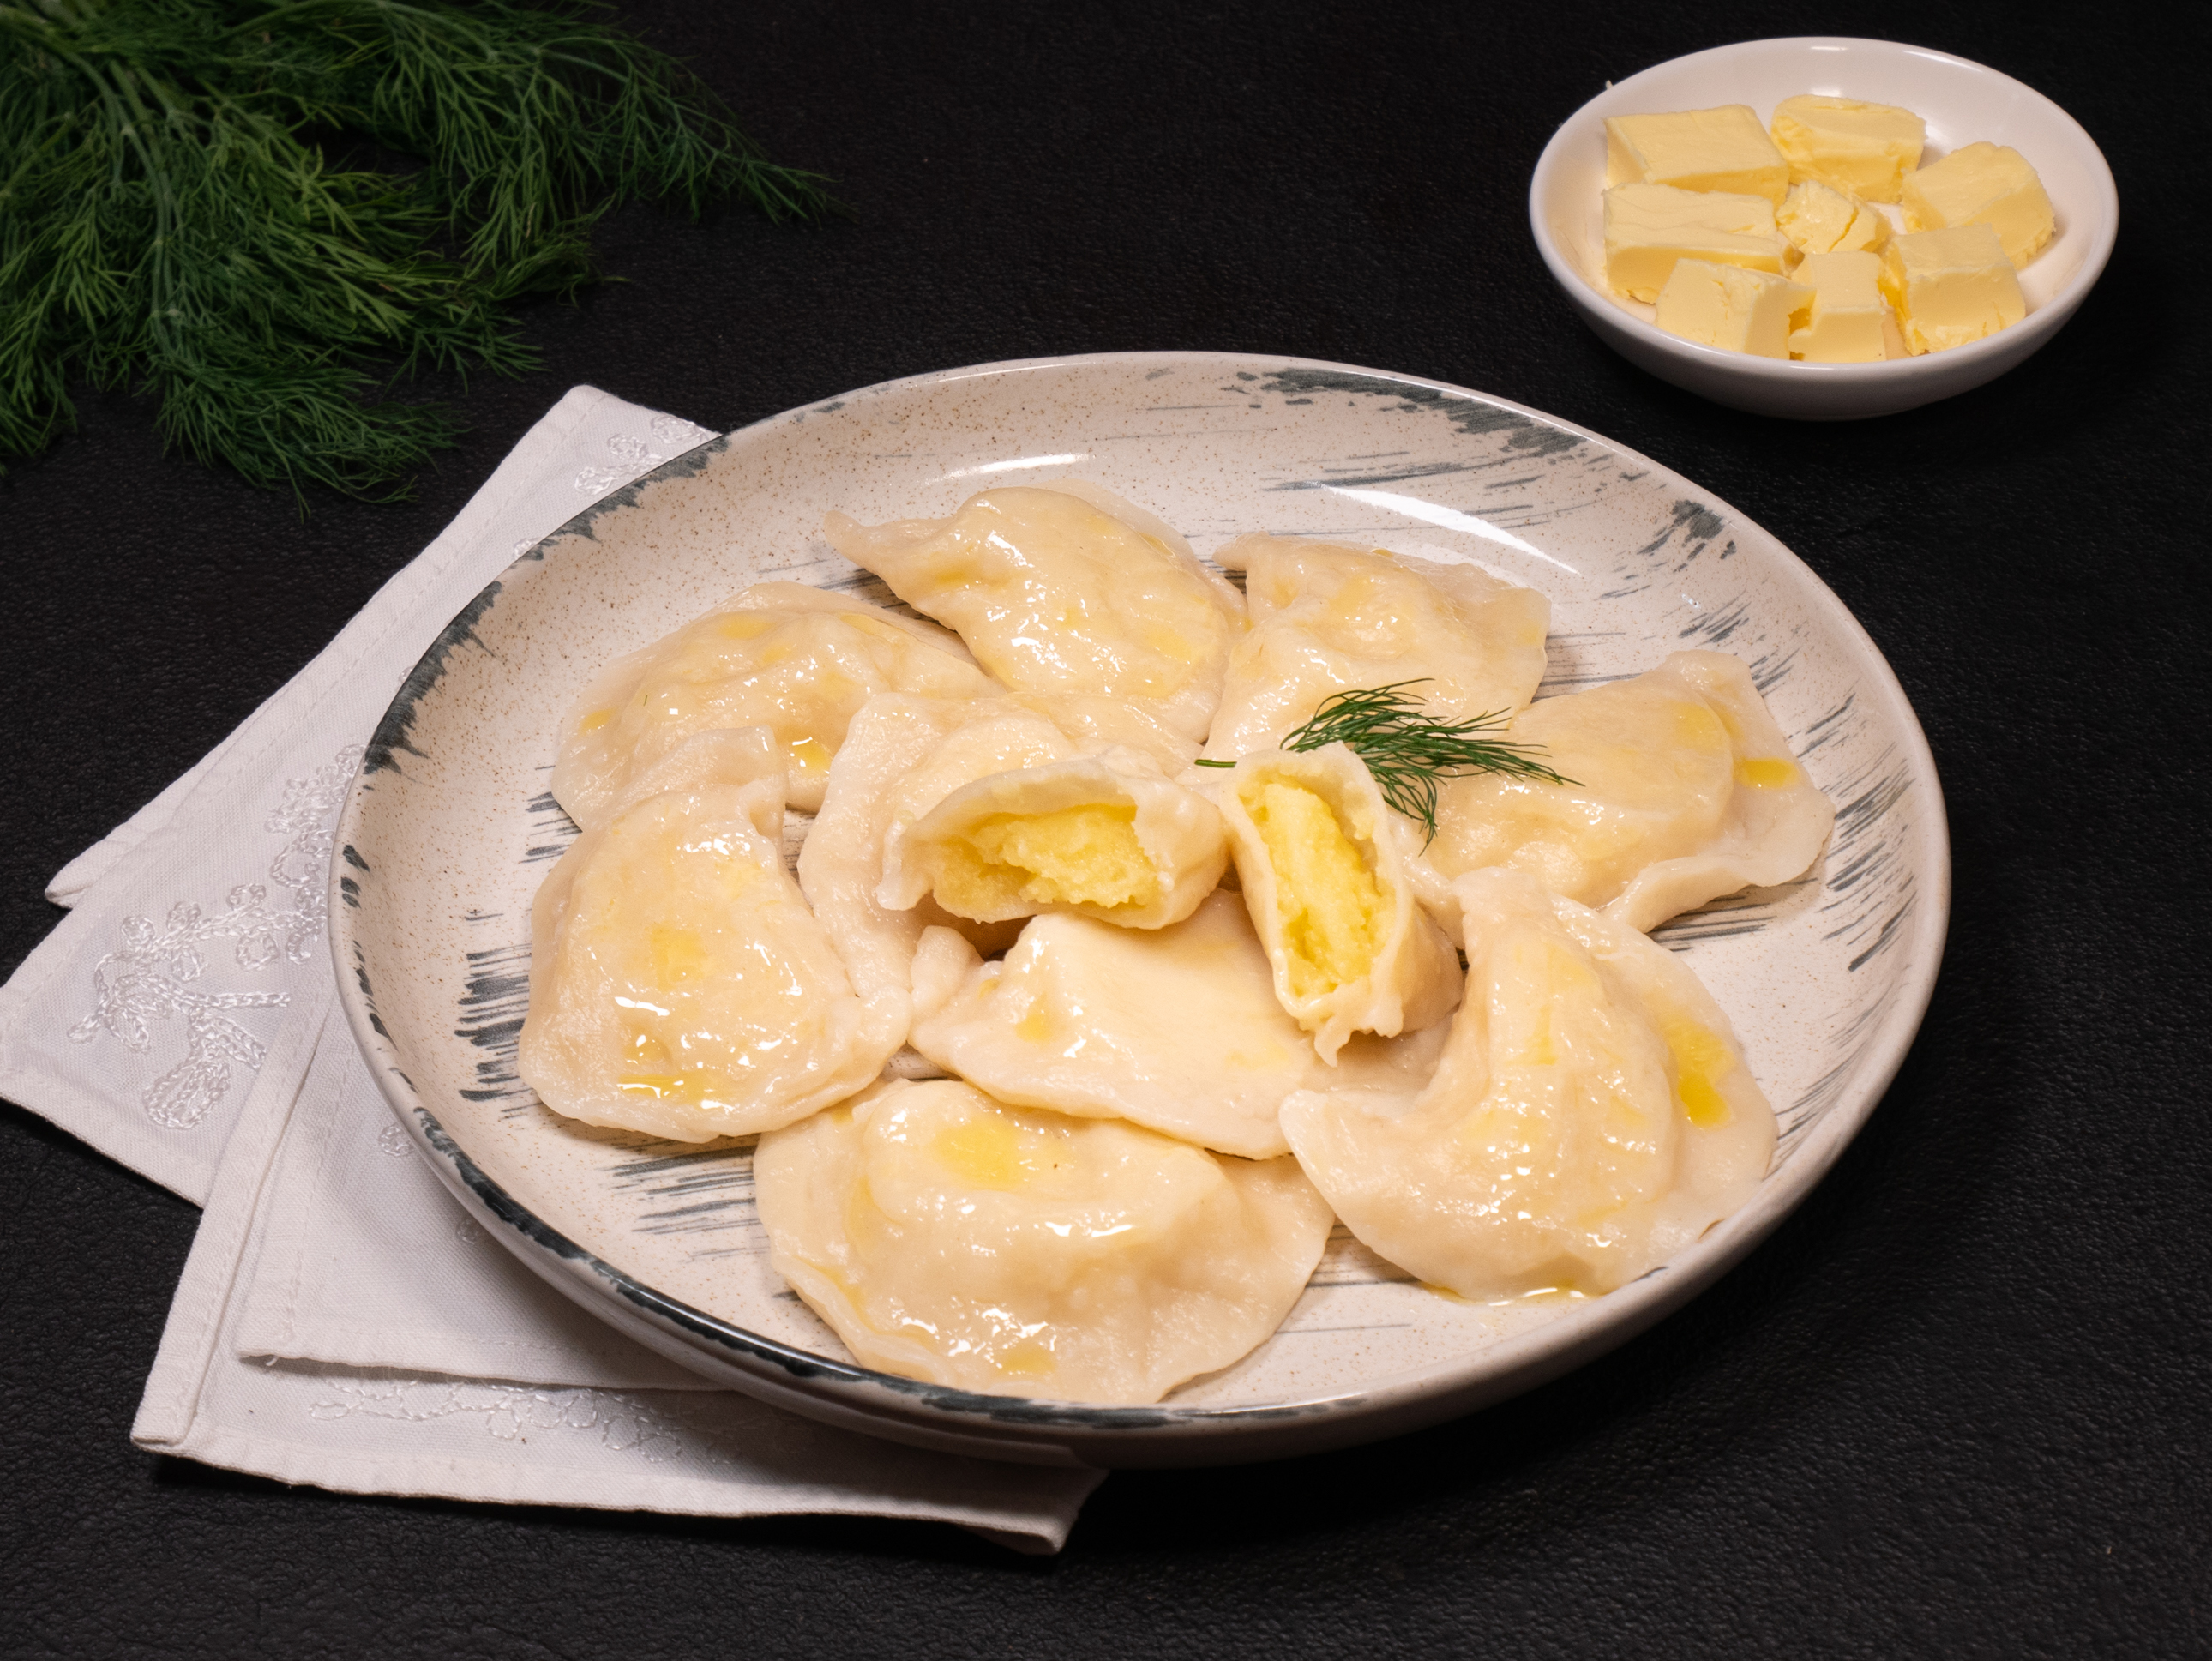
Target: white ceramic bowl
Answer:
[[449, 833], [1962, 102]]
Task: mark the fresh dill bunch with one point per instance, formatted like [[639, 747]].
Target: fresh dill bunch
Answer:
[[1409, 751], [169, 218]]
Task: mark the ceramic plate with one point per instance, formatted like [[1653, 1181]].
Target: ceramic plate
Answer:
[[450, 829], [1961, 101]]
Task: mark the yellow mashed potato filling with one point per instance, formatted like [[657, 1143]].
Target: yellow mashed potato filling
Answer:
[[1082, 855], [1331, 908]]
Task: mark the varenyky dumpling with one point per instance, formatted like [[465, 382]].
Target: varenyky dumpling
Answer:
[[1176, 1029], [1684, 790], [1324, 863], [780, 655], [1591, 1115], [1326, 618], [902, 756], [946, 1237], [1105, 835], [679, 985], [1064, 589]]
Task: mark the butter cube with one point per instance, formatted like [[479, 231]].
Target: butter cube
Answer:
[[1865, 150], [1988, 185], [1851, 322], [1717, 150], [1649, 227], [1819, 220], [1727, 306], [1950, 287]]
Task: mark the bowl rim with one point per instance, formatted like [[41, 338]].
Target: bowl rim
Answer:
[[2021, 338], [1008, 1426]]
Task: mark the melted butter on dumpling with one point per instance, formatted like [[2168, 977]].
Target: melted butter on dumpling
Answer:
[[946, 1237], [1064, 590], [1592, 1113], [793, 659], [679, 984], [1326, 618], [1684, 790], [1327, 869], [1178, 1029]]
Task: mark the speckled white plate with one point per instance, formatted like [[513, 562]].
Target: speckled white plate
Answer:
[[450, 831]]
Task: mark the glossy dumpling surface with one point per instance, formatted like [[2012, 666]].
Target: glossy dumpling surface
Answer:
[[1328, 618], [1591, 1115], [679, 984], [1178, 1029], [949, 1237], [1105, 835], [1325, 869], [901, 756], [793, 659], [1064, 590], [1685, 789]]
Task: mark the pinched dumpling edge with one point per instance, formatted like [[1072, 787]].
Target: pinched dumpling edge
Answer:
[[1287, 1215], [743, 762], [585, 791], [1771, 832], [1188, 710], [1717, 1165], [1469, 595]]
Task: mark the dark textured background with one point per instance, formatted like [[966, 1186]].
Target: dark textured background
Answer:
[[1959, 1403]]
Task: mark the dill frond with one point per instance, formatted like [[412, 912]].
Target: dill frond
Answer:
[[169, 219], [1409, 751]]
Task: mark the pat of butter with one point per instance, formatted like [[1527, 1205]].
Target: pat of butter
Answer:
[[1983, 184], [1950, 287], [1818, 219], [1865, 150], [1851, 322], [1649, 227], [1727, 306], [1717, 150]]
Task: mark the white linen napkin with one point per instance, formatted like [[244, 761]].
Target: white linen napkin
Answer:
[[507, 1392], [137, 1024], [340, 1321]]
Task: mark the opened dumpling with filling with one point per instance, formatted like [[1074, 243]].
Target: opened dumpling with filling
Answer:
[[946, 1237], [1592, 1113], [1684, 790], [841, 867], [902, 756], [1326, 618], [1064, 589], [1105, 835], [679, 985], [1178, 1029], [1326, 868], [780, 655]]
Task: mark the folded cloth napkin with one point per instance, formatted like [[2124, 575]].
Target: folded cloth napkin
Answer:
[[340, 1321]]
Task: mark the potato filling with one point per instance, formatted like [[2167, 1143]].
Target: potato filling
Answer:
[[1331, 908], [1082, 855]]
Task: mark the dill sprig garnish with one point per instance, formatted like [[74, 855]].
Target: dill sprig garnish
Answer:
[[169, 218], [1409, 751]]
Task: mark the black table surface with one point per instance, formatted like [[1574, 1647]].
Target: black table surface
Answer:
[[1960, 1402]]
